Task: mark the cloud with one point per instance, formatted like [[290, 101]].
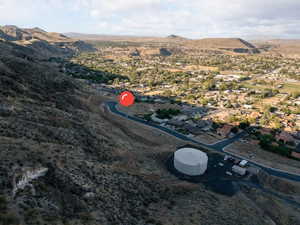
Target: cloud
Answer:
[[160, 17]]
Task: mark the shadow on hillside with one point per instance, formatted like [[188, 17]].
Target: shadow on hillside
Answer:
[[78, 71]]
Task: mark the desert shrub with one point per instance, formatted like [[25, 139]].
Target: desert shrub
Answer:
[[8, 219], [266, 144], [234, 130], [3, 203], [147, 117], [244, 125], [167, 113]]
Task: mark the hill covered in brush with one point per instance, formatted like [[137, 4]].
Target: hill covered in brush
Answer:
[[66, 160], [44, 43], [237, 45]]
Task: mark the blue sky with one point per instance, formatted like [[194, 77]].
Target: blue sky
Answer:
[[189, 18]]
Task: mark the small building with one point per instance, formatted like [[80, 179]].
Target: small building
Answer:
[[157, 120], [225, 130], [192, 129], [190, 161], [285, 137], [175, 122], [181, 117], [296, 155], [248, 106], [239, 170]]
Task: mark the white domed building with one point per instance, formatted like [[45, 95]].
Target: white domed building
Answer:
[[190, 161]]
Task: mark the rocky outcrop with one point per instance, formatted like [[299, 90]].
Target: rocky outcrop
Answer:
[[23, 178]]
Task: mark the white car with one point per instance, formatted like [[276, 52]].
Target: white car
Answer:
[[243, 163]]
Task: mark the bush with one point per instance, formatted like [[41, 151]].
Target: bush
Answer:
[[8, 219], [215, 125], [167, 113], [244, 125], [234, 130], [3, 203], [147, 117], [266, 144]]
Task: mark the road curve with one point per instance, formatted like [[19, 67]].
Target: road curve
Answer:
[[219, 146]]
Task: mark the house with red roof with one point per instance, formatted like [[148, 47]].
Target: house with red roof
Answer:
[[285, 137], [225, 130]]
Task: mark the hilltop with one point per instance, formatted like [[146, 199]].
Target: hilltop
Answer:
[[281, 47], [226, 45], [44, 44], [237, 45], [125, 38], [176, 37], [103, 37], [14, 33]]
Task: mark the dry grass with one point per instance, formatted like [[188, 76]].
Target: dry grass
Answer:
[[264, 157]]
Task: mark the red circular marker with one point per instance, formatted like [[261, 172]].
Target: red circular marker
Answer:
[[126, 98]]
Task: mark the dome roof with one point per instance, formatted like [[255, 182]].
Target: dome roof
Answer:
[[190, 161]]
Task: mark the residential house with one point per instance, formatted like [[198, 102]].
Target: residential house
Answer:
[[225, 130], [265, 131], [157, 120], [285, 137], [296, 152]]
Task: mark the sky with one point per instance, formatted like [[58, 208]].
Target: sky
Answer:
[[189, 18]]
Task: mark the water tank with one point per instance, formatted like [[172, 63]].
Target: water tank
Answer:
[[190, 161]]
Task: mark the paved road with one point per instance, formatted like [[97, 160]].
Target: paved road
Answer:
[[215, 147]]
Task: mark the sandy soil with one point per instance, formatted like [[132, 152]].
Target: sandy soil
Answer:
[[208, 138]]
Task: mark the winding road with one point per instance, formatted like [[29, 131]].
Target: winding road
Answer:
[[219, 146]]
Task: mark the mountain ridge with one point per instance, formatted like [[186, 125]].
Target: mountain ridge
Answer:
[[45, 44]]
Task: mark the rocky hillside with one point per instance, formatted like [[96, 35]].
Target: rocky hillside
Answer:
[[280, 47], [45, 43], [58, 162], [236, 45], [65, 160], [174, 37]]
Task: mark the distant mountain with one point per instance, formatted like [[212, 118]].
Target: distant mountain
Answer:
[[173, 36], [128, 38], [100, 37], [18, 34], [281, 47], [44, 44], [237, 45], [223, 43]]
